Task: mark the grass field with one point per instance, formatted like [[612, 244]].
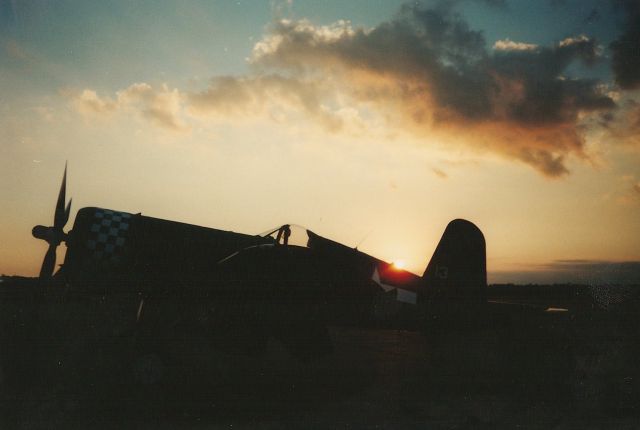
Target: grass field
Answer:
[[374, 379]]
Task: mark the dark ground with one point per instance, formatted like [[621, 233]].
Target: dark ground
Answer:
[[375, 379]]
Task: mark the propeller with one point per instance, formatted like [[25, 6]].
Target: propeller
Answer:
[[54, 235]]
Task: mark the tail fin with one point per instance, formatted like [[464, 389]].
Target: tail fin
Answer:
[[458, 269]]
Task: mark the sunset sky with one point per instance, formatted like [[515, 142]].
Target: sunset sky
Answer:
[[371, 122]]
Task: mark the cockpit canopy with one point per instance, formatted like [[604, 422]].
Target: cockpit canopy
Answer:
[[289, 234]]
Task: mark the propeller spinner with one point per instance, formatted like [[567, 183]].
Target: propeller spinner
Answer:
[[54, 235]]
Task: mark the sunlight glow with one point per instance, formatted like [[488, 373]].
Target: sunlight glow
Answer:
[[398, 264]]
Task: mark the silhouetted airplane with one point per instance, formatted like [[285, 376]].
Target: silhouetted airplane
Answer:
[[133, 286], [145, 277]]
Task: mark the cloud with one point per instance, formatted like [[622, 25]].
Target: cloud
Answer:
[[598, 272], [439, 173], [88, 102], [161, 106], [275, 96], [433, 75], [626, 48], [623, 125], [424, 72], [508, 45], [586, 272], [629, 196], [577, 40]]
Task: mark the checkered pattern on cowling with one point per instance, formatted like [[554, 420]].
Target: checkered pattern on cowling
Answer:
[[108, 234]]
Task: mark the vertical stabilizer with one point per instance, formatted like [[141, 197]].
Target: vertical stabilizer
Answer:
[[457, 271]]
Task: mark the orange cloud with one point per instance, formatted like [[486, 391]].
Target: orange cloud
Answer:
[[429, 67], [425, 72]]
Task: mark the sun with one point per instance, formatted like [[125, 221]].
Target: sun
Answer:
[[398, 264]]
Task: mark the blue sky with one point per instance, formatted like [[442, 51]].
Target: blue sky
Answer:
[[167, 40]]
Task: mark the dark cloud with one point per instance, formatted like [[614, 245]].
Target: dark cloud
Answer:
[[623, 125], [428, 63], [548, 97], [599, 272], [586, 272], [626, 48]]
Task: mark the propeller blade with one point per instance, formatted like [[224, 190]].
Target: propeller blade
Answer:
[[54, 235], [49, 263], [67, 211], [59, 219]]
